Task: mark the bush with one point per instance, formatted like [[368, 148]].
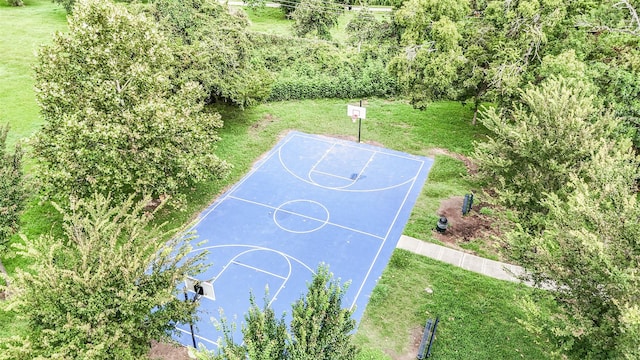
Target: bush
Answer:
[[12, 193], [310, 69]]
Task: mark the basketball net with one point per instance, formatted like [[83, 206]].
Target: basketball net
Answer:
[[354, 116]]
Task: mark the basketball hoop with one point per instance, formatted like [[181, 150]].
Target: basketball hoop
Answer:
[[354, 117]]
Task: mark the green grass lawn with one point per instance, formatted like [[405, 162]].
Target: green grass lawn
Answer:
[[24, 29], [478, 314], [273, 21]]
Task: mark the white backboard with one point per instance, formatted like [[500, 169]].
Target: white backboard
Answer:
[[356, 110], [206, 286]]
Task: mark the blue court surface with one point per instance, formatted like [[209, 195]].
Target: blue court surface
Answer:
[[311, 199]]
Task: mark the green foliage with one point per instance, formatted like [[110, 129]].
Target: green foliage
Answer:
[[212, 48], [67, 4], [321, 328], [287, 6], [256, 5], [12, 191], [535, 149], [311, 69], [114, 122], [315, 17], [589, 254], [374, 39], [265, 337], [102, 290], [15, 2]]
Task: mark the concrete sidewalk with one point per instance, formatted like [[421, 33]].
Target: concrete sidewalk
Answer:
[[494, 269]]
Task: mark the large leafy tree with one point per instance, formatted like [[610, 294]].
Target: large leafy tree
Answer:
[[589, 257], [321, 328], [536, 147], [430, 54], [102, 289], [315, 17], [212, 48], [114, 121], [471, 51]]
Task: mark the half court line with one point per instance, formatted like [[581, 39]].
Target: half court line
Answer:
[[301, 215]]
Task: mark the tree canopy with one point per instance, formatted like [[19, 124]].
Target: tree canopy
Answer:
[[212, 48], [114, 121], [102, 289], [320, 328], [315, 17]]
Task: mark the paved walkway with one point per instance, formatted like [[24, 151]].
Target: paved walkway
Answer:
[[494, 269]]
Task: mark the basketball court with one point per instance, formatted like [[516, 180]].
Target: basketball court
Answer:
[[310, 200]]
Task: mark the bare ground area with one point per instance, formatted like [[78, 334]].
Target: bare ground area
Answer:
[[461, 228], [164, 351], [414, 346]]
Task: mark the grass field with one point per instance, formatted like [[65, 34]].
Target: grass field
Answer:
[[273, 21], [23, 30], [478, 314]]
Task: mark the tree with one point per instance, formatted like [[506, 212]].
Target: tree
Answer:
[[12, 192], [287, 6], [536, 147], [103, 289], [212, 48], [320, 328], [114, 121], [479, 50], [589, 254], [315, 17], [430, 54]]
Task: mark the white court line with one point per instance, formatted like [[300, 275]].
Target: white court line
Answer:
[[328, 222], [317, 162], [334, 175], [199, 337], [356, 146], [353, 304], [252, 248], [235, 187], [256, 247], [311, 182], [372, 154], [258, 269]]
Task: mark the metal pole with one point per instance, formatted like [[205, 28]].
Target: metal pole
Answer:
[[193, 337], [359, 123]]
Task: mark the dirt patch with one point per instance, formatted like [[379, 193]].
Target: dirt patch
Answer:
[[355, 139], [258, 127], [466, 228], [472, 168], [164, 351]]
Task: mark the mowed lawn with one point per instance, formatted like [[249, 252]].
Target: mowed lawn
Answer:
[[24, 29], [478, 314]]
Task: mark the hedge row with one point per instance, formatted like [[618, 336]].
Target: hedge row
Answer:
[[372, 81]]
